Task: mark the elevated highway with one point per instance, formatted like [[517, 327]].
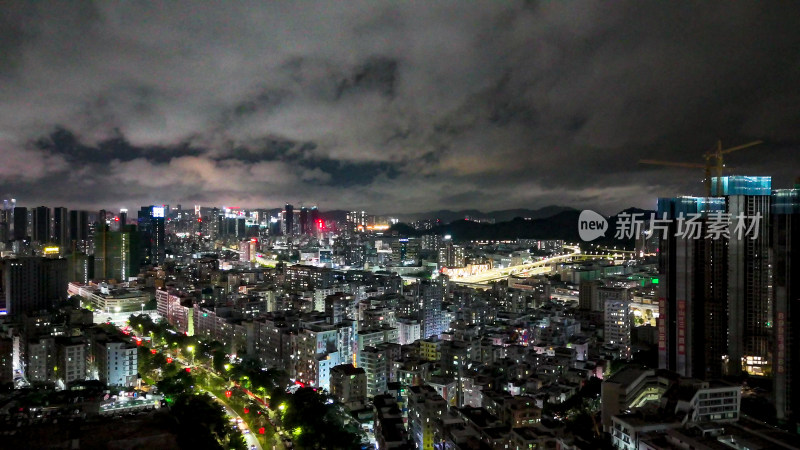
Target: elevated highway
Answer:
[[539, 267]]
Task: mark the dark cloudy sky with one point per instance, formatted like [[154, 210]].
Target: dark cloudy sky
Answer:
[[389, 106]]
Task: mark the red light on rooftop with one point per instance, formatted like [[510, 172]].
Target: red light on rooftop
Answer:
[[116, 219]]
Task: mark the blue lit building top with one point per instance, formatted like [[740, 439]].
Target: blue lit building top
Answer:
[[742, 185], [786, 201], [675, 206]]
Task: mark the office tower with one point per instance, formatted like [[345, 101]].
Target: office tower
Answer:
[[315, 222], [158, 231], [20, 222], [692, 323], [240, 227], [7, 219], [405, 251], [151, 230], [304, 220], [123, 216], [749, 283], [61, 228], [8, 209], [288, 220], [31, 284], [41, 224], [116, 253], [228, 227], [786, 293], [145, 226], [79, 229], [718, 287]]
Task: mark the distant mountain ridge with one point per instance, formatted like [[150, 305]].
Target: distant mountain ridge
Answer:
[[562, 225], [503, 215], [447, 215]]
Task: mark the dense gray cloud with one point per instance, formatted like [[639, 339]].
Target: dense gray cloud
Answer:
[[387, 106]]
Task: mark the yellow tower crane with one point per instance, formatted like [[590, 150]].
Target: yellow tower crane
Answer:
[[714, 163]]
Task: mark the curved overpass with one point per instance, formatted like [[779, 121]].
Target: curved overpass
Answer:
[[533, 268]]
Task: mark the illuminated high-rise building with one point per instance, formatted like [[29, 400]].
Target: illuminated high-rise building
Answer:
[[41, 224], [749, 278], [785, 255], [61, 228], [116, 253], [716, 306], [430, 296], [288, 220], [316, 223], [79, 230], [692, 293], [151, 222], [7, 219], [32, 284], [304, 226], [357, 221], [20, 223]]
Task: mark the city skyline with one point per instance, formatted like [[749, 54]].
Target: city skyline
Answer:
[[387, 225], [389, 108]]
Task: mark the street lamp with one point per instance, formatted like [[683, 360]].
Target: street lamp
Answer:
[[191, 351], [142, 308]]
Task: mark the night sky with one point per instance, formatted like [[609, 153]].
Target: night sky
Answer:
[[390, 107]]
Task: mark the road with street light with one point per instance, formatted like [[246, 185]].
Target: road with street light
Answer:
[[250, 438]]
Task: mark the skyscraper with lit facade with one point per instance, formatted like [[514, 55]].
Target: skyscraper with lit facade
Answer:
[[32, 284], [79, 230], [749, 279], [61, 228], [288, 220], [716, 306], [20, 223], [41, 224], [304, 225], [785, 256], [116, 253], [692, 323], [151, 220]]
